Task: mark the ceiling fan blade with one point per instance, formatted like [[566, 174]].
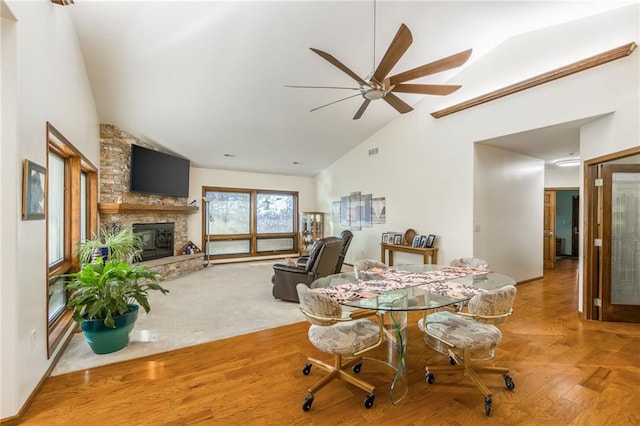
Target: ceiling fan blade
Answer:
[[400, 105], [339, 65], [364, 106], [426, 89], [435, 67], [321, 87], [335, 102], [397, 48]]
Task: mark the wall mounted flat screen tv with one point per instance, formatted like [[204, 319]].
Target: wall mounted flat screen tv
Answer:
[[154, 172]]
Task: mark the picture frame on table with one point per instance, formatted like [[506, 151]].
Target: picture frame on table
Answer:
[[423, 241], [34, 182], [385, 238], [430, 240], [397, 239], [416, 242]]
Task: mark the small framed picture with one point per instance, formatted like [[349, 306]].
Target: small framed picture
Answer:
[[423, 241], [33, 186], [430, 240], [397, 239], [416, 241], [385, 238]]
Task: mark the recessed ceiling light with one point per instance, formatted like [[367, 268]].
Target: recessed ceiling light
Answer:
[[229, 155], [296, 163], [568, 163]]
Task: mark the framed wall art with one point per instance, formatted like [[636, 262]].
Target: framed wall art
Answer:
[[33, 186]]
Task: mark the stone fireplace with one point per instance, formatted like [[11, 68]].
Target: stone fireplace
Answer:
[[131, 209], [157, 239]]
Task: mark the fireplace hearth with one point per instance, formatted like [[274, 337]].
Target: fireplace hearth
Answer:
[[157, 239]]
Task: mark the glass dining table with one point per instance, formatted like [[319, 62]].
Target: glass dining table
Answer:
[[395, 291]]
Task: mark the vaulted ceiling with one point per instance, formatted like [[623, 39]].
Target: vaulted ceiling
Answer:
[[206, 79]]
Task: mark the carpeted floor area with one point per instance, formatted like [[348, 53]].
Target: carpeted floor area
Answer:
[[213, 303]]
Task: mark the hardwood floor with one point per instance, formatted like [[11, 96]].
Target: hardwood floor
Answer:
[[567, 372]]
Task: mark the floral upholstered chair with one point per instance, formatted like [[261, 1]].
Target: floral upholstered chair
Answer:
[[470, 336], [469, 262], [342, 334]]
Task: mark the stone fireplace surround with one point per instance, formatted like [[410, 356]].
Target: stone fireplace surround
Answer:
[[117, 204]]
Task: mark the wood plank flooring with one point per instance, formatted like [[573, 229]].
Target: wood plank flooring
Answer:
[[567, 372]]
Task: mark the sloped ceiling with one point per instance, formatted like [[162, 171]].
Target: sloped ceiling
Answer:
[[205, 80]]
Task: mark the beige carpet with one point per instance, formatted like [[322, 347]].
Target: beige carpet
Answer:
[[213, 303]]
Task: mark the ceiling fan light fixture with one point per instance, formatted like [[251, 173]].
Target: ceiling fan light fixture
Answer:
[[568, 163], [373, 94]]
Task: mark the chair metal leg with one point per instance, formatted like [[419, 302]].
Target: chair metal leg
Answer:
[[339, 370], [465, 365]]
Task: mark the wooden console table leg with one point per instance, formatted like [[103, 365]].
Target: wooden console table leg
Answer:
[[390, 257], [434, 257], [383, 254]]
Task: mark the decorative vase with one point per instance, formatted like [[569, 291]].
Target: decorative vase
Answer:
[[103, 339]]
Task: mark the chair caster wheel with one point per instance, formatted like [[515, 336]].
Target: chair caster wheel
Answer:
[[430, 378], [508, 381], [357, 367], [306, 370], [368, 401], [306, 406], [487, 405]]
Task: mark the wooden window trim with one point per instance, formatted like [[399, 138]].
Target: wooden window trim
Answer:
[[75, 164], [253, 236]]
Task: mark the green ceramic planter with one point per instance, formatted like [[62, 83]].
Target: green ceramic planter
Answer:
[[104, 340]]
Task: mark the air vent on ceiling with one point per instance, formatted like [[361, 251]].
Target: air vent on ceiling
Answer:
[[373, 151]]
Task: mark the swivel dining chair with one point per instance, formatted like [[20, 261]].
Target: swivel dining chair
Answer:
[[469, 262], [333, 332], [470, 336], [361, 267]]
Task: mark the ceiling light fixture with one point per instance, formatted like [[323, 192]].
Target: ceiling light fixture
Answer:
[[568, 163]]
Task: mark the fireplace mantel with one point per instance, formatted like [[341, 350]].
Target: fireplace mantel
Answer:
[[117, 208]]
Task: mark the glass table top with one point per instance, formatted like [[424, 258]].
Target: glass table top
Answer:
[[409, 287]]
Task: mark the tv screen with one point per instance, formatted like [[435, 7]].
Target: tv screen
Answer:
[[155, 172]]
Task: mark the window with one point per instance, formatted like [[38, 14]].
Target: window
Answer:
[[71, 216], [249, 222]]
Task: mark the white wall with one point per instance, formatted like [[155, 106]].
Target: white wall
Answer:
[[9, 185], [508, 189], [562, 177], [430, 184], [51, 85], [198, 178]]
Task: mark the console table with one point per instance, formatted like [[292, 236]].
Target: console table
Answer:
[[430, 255]]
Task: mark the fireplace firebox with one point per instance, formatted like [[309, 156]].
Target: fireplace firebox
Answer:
[[157, 239]]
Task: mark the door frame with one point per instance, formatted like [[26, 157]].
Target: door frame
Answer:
[[591, 267]]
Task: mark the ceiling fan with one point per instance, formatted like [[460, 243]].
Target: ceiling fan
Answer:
[[378, 85]]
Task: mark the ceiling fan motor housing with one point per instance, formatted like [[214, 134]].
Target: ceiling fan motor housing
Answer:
[[372, 90]]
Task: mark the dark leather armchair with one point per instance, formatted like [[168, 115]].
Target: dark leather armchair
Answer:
[[322, 261], [346, 236]]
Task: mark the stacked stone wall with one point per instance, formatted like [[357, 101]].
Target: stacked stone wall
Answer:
[[114, 178]]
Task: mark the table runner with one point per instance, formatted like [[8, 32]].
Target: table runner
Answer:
[[382, 280]]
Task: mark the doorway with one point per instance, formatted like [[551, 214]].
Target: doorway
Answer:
[[561, 225]]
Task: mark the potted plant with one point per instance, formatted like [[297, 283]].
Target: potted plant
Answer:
[[106, 294], [123, 245]]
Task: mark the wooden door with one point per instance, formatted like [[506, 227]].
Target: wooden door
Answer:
[[549, 230], [575, 224], [620, 260]]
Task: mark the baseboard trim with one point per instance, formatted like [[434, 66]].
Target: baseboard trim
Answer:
[[17, 418]]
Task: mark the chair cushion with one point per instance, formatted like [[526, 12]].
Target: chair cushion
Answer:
[[344, 338], [461, 332]]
